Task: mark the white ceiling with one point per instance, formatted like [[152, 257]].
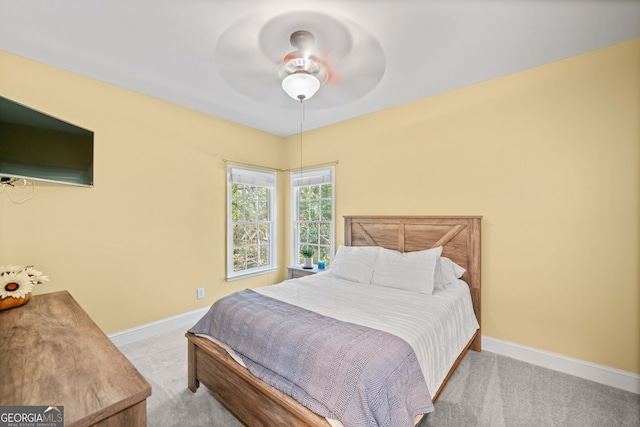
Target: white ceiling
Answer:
[[178, 50]]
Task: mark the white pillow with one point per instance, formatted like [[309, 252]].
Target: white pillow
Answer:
[[355, 263], [448, 272], [411, 271]]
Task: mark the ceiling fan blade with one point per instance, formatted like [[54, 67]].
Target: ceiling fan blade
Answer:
[[355, 75], [332, 37], [249, 53]]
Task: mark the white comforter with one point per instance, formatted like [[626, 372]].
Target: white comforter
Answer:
[[436, 326]]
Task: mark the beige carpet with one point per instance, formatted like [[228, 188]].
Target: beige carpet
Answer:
[[487, 390], [162, 360]]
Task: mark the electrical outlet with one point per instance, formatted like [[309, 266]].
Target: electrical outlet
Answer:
[[200, 293]]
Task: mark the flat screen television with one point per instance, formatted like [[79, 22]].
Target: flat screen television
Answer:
[[36, 146]]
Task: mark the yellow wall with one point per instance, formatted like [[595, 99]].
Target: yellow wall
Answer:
[[549, 156], [134, 248]]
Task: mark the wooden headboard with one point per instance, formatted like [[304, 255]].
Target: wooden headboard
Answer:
[[458, 235]]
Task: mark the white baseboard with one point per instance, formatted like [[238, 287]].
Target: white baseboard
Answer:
[[185, 320], [602, 374]]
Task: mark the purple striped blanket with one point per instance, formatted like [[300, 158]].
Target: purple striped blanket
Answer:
[[357, 375]]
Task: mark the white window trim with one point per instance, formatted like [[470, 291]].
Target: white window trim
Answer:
[[262, 178], [311, 177]]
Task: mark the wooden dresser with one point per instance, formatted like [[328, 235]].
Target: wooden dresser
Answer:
[[52, 353]]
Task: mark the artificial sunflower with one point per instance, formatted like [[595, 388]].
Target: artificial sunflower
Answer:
[[18, 281]]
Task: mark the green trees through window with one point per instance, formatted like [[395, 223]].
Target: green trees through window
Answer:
[[251, 224], [250, 208], [251, 214], [313, 212]]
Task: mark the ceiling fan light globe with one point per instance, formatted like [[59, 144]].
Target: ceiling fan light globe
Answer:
[[300, 86]]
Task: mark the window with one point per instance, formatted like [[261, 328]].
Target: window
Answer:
[[312, 203], [251, 201]]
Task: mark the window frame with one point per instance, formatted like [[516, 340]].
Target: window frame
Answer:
[[310, 177], [256, 178]]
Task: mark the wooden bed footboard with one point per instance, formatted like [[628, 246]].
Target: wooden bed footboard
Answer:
[[250, 400]]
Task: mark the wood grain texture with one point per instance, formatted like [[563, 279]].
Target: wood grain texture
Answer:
[[254, 402], [250, 400], [53, 354]]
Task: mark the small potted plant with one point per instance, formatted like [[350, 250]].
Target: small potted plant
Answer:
[[307, 254]]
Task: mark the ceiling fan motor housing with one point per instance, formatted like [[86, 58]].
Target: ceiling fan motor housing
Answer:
[[302, 61], [299, 62]]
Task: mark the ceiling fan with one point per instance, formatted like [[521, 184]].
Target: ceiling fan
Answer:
[[255, 57], [301, 72]]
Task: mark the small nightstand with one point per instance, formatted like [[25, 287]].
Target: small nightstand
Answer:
[[296, 271]]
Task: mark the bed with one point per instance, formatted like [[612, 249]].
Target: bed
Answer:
[[254, 402]]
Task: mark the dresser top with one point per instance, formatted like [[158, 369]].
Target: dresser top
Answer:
[[53, 354]]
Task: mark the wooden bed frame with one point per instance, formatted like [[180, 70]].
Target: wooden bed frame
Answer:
[[253, 402]]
